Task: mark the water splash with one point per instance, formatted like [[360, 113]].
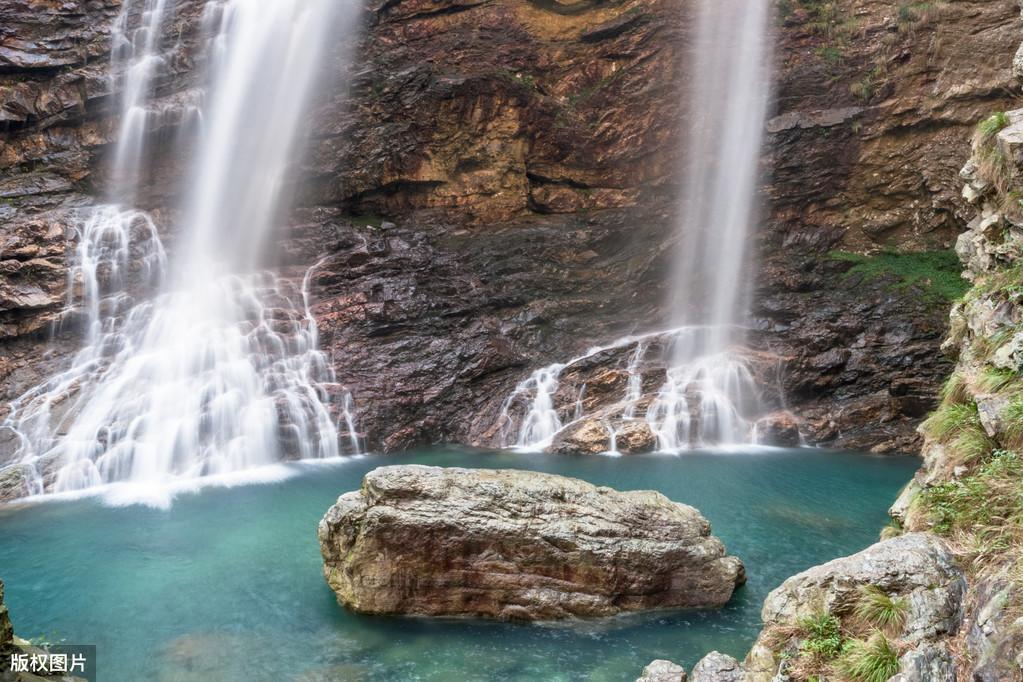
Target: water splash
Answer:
[[714, 400], [220, 371]]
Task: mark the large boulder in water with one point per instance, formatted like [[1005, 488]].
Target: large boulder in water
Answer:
[[517, 545]]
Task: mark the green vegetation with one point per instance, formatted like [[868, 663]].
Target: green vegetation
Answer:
[[823, 635], [893, 530], [993, 166], [855, 649], [983, 509], [872, 660], [912, 15], [937, 273], [958, 425], [955, 391], [875, 607], [995, 379]]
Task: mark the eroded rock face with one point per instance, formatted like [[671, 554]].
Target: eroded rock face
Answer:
[[918, 567], [517, 545]]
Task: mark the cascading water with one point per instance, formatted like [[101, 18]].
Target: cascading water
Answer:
[[704, 398], [708, 395], [220, 370]]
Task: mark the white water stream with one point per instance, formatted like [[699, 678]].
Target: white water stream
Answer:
[[708, 395], [218, 370]]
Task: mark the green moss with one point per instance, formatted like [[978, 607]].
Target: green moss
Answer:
[[937, 273]]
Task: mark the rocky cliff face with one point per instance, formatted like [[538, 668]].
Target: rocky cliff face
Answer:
[[497, 194]]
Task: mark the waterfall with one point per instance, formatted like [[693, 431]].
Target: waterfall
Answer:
[[707, 390], [217, 370], [708, 395]]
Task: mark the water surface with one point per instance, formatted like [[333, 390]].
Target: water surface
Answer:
[[226, 584]]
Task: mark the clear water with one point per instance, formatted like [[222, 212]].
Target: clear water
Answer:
[[226, 584]]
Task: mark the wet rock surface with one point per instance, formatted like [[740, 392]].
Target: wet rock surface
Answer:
[[498, 195], [517, 545]]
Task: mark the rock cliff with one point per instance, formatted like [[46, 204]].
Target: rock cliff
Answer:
[[517, 545], [497, 194]]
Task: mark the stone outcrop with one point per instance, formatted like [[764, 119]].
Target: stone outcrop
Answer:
[[663, 671], [517, 545], [717, 667], [917, 568]]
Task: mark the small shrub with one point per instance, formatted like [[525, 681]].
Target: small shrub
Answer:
[[955, 390], [870, 660], [875, 607]]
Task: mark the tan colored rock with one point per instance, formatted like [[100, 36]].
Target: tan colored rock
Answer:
[[588, 437], [780, 429], [517, 545], [717, 667], [634, 438], [6, 631]]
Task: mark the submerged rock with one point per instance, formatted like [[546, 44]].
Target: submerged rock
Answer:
[[663, 671], [517, 545]]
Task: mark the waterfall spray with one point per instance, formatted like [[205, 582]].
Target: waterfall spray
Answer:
[[219, 371], [708, 395]]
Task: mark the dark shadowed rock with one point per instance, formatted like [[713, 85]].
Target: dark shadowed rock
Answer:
[[517, 545]]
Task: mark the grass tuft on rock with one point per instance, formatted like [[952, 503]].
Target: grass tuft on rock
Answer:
[[950, 419], [990, 127], [987, 503], [886, 613], [872, 660], [936, 273]]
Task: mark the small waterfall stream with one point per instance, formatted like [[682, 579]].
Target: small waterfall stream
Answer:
[[217, 370], [708, 395]]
